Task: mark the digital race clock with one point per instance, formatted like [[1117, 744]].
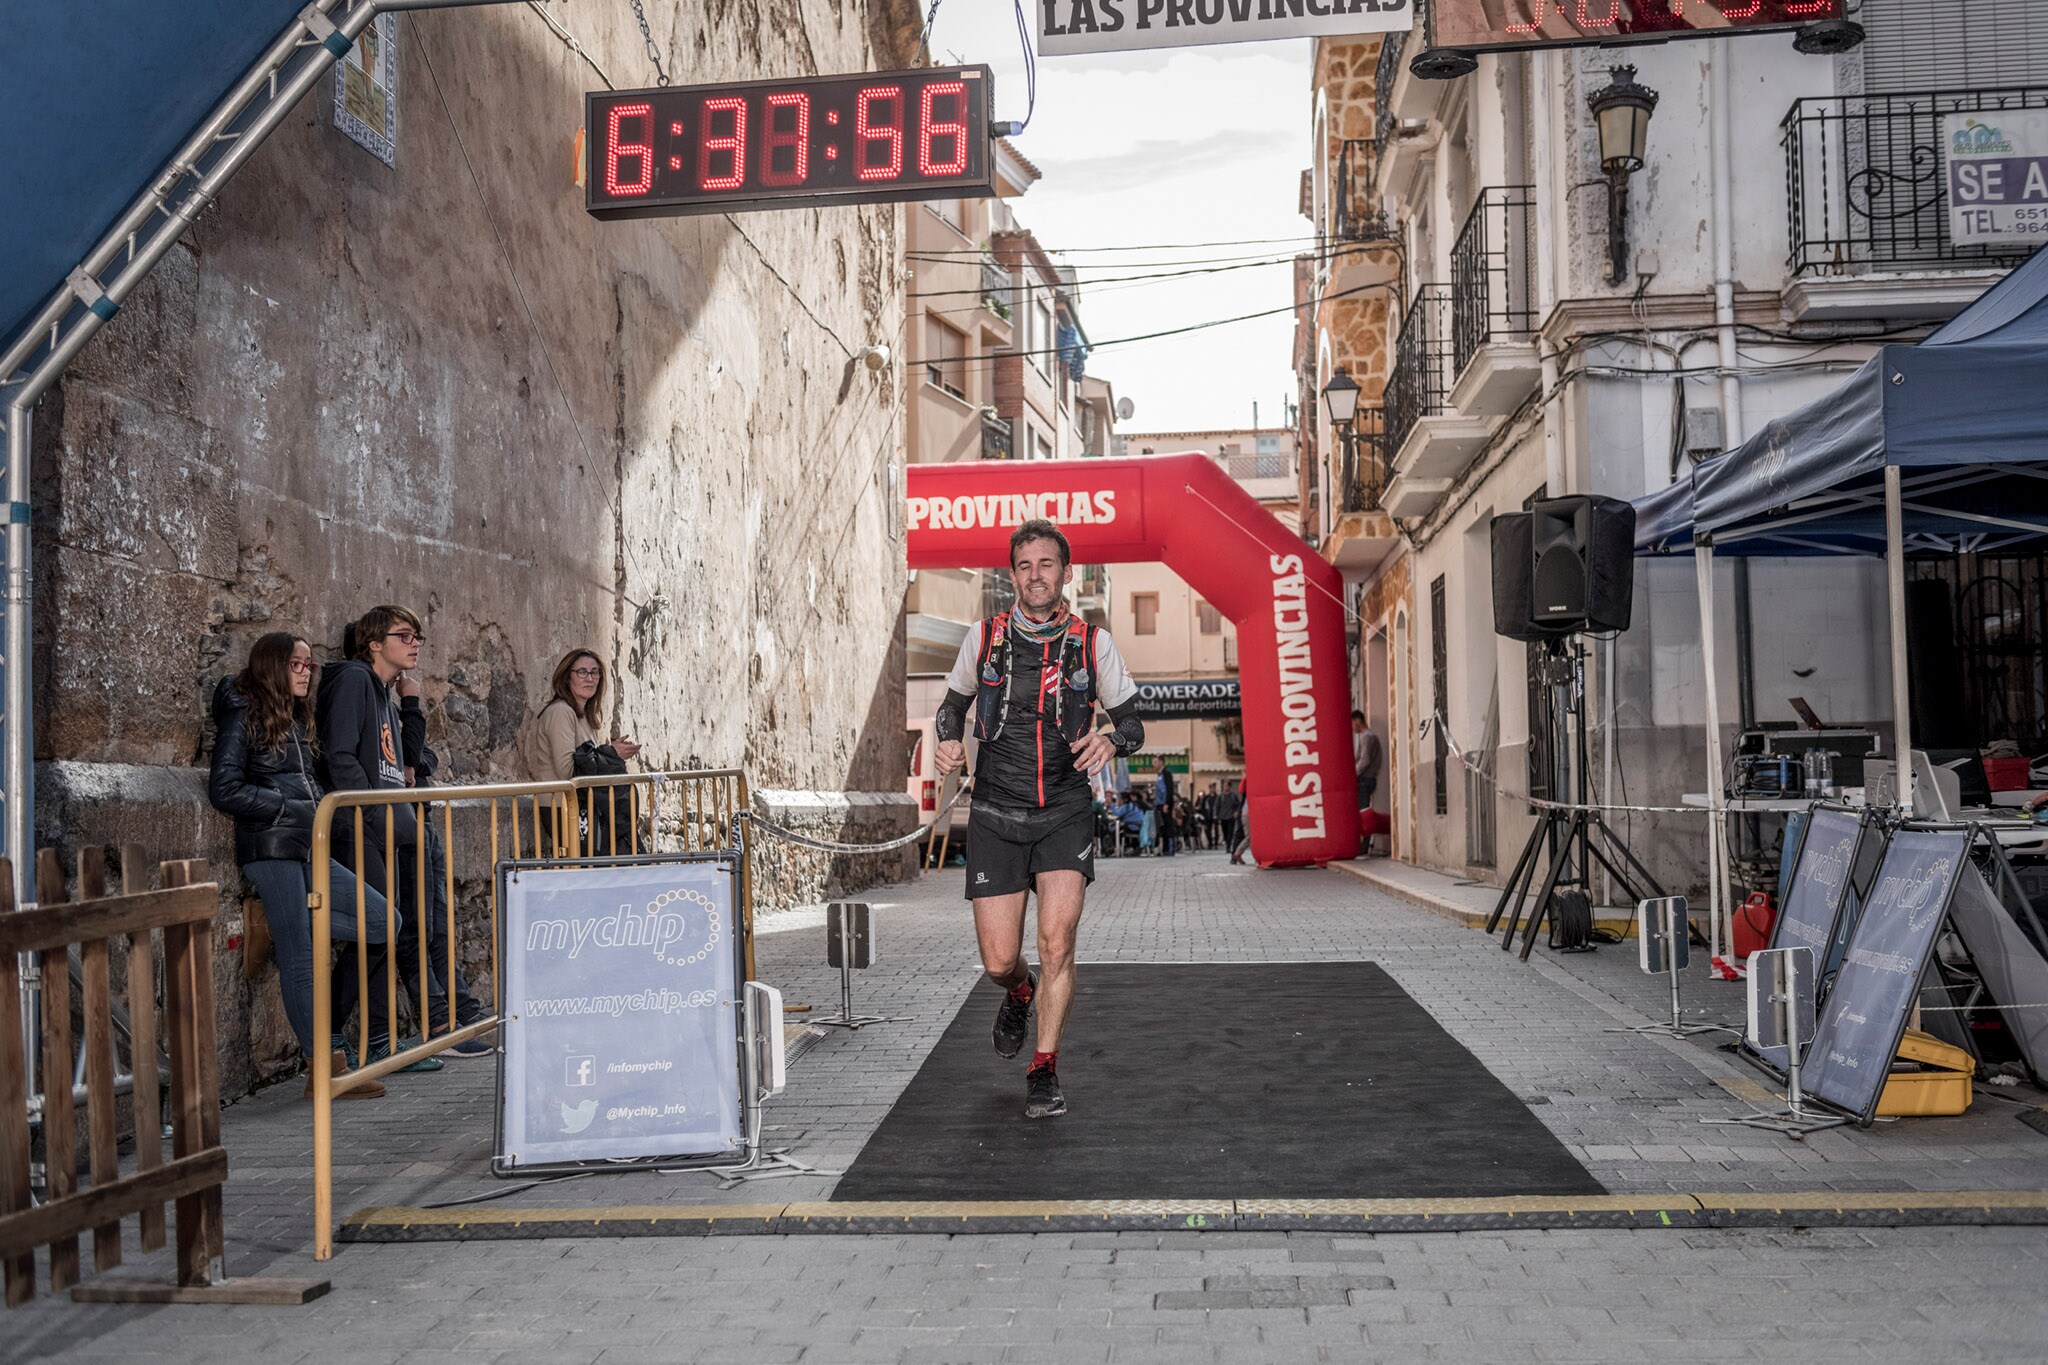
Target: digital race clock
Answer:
[[865, 139], [1501, 25]]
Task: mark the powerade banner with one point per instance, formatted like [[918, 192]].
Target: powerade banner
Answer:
[[1997, 176], [1187, 698], [1067, 26], [1865, 1015], [621, 1025]]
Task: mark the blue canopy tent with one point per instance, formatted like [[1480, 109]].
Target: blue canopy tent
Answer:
[[1940, 446]]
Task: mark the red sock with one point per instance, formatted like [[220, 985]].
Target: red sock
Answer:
[[1042, 1059], [1022, 994]]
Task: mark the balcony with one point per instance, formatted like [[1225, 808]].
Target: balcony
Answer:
[[1431, 442], [995, 287], [1866, 180], [1362, 535], [1493, 310], [995, 437]]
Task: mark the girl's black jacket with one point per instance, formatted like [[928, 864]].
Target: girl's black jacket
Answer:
[[271, 793]]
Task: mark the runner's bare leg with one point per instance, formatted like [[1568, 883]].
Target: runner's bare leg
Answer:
[[999, 928], [1059, 922]]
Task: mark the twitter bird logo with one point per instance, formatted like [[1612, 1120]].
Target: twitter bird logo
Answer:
[[577, 1119]]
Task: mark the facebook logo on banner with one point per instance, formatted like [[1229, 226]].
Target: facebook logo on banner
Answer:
[[581, 1071]]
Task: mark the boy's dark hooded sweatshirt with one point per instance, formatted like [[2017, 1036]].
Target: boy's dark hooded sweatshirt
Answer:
[[362, 749]]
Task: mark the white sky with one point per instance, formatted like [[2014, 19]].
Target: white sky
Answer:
[[1175, 146]]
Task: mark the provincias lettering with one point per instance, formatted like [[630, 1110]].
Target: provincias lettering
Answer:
[[1300, 733], [981, 512]]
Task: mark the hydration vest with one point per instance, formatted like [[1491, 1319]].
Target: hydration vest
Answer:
[[995, 672]]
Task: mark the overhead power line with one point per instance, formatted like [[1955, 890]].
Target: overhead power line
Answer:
[[964, 362]]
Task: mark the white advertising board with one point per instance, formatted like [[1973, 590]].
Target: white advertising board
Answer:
[[1997, 176], [1066, 27], [621, 1020]]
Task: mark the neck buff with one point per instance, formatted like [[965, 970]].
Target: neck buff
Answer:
[[1040, 631]]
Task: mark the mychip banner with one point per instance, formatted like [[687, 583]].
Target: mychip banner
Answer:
[[1860, 1026], [1997, 176], [1073, 26], [620, 1007]]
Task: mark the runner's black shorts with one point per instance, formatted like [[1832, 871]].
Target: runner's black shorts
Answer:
[[1007, 849]]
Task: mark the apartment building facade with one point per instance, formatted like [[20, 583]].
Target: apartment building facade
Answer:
[[1528, 333], [996, 372]]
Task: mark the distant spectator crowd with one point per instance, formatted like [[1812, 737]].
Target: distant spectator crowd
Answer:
[[1156, 819]]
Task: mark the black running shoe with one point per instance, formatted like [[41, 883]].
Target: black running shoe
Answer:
[[1042, 1097], [1012, 1017]]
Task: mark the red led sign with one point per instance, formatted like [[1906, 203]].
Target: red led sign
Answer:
[[867, 139], [1499, 25]]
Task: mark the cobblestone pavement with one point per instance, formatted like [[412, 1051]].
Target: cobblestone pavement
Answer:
[[1626, 1105]]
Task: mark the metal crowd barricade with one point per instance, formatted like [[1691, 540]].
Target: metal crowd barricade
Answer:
[[690, 811]]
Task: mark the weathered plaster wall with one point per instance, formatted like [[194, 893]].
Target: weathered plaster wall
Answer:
[[444, 385]]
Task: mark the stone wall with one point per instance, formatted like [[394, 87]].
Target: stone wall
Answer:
[[444, 385]]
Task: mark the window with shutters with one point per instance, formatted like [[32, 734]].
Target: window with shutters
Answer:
[[945, 357], [1956, 45], [1144, 613], [1211, 619]]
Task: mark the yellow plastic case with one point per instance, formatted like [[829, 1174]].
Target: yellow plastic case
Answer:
[[1943, 1088]]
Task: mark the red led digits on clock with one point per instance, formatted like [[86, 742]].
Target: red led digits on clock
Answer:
[[866, 132], [1744, 12], [617, 150], [930, 127], [797, 138], [1809, 7], [736, 143], [1607, 20]]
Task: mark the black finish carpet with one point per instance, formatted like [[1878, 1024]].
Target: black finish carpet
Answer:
[[1292, 1080]]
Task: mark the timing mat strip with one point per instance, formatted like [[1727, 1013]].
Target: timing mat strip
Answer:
[[1806, 1209]]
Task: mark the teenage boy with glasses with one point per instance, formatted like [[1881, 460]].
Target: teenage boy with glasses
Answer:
[[368, 740]]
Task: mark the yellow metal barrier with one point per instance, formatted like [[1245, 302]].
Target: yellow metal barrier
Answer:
[[684, 812]]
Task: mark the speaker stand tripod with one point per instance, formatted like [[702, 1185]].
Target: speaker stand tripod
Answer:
[[1566, 840]]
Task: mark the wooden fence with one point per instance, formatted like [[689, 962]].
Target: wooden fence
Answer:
[[97, 927]]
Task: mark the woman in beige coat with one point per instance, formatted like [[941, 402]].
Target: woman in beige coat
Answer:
[[566, 740]]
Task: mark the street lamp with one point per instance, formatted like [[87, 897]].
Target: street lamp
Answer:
[[1621, 116], [1340, 401]]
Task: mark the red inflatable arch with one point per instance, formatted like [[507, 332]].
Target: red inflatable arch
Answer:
[[1185, 512]]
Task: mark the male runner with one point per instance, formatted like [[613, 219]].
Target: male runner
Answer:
[[1033, 675]]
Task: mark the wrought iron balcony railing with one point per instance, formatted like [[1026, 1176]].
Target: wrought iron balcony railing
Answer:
[[995, 437], [1421, 378], [995, 286], [1364, 475], [1388, 70], [1355, 210], [1866, 178], [1494, 296]]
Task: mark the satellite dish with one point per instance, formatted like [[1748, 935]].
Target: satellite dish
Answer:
[[1124, 408]]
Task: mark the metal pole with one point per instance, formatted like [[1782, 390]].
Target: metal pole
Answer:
[[1677, 932], [1895, 586], [1788, 1005], [1717, 870], [17, 731]]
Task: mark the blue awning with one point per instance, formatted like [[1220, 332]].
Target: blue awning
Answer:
[[1963, 415], [96, 99]]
